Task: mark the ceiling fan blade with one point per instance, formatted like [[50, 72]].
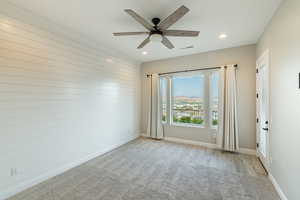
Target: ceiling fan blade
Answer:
[[181, 33], [173, 18], [144, 43], [130, 33], [167, 43], [139, 19]]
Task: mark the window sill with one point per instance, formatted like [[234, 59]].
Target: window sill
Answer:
[[187, 125]]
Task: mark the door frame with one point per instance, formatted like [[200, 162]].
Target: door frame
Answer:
[[263, 60]]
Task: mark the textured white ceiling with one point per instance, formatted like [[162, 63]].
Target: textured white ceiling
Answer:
[[243, 21]]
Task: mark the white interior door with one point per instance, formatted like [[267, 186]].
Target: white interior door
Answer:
[[262, 89]]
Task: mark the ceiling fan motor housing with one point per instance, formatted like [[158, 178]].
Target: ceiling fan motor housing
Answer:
[[155, 21], [156, 30]]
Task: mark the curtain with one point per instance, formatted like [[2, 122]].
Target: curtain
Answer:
[[154, 127], [227, 138]]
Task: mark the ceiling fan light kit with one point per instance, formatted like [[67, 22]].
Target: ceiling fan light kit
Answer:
[[155, 37], [159, 30]]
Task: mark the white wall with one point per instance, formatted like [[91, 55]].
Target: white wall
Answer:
[[243, 56], [61, 101], [282, 39]]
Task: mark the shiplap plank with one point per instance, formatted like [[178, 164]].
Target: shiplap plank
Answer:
[[59, 93]]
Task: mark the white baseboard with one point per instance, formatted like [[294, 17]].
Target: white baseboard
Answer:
[[208, 145], [277, 187], [247, 151], [144, 135], [34, 181]]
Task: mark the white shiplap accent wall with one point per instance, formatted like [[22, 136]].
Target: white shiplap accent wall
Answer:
[[62, 100]]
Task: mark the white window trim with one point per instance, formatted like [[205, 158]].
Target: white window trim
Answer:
[[211, 101], [201, 126], [207, 101]]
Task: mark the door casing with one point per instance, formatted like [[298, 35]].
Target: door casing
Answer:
[[263, 61]]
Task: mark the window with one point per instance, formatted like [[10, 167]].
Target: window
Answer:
[[164, 98], [188, 101], [214, 99]]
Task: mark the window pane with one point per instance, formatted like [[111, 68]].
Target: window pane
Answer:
[[163, 87], [188, 104], [214, 98]]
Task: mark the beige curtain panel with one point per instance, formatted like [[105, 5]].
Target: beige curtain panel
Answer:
[[228, 129], [154, 128]]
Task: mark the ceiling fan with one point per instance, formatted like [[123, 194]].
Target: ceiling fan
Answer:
[[159, 31]]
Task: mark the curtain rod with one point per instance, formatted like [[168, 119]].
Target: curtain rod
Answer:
[[190, 70]]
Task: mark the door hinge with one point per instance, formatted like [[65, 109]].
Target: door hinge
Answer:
[[257, 120], [257, 71], [257, 95], [257, 145]]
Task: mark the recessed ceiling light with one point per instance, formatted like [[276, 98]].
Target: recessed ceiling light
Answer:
[[222, 36], [144, 52]]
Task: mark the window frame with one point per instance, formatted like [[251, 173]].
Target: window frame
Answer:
[[211, 100], [207, 100], [161, 99], [172, 123]]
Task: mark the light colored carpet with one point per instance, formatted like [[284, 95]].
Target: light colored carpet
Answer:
[[156, 170]]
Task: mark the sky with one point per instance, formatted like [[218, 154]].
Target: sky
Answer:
[[188, 86], [192, 86]]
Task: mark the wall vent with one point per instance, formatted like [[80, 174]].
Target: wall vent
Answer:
[[187, 47]]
